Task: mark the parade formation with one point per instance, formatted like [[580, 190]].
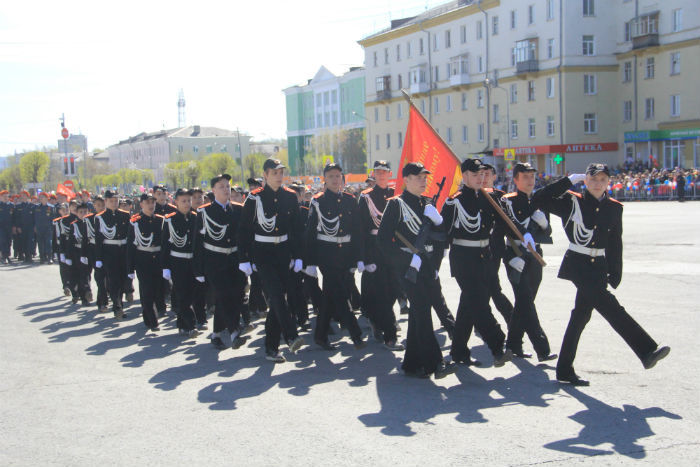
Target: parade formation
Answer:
[[243, 255]]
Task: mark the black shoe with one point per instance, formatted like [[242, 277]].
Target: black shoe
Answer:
[[155, 328], [653, 357], [404, 310], [130, 297], [75, 300], [326, 345], [85, 303], [274, 356], [306, 327], [468, 361], [202, 326], [419, 373], [238, 341], [445, 369], [521, 354], [218, 343], [573, 380], [547, 358], [503, 359], [359, 344], [66, 291]]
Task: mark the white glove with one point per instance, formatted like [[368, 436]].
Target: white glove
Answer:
[[98, 264], [84, 260], [539, 217], [361, 266], [246, 268], [528, 241], [416, 262], [311, 271], [255, 268], [298, 265], [437, 273], [131, 276], [200, 279], [576, 178], [166, 274], [517, 263], [63, 258], [291, 264], [55, 257], [371, 267], [69, 262], [431, 213]]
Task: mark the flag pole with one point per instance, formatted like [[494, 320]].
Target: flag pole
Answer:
[[493, 203]]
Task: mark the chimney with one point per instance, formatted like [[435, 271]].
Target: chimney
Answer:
[[196, 131]]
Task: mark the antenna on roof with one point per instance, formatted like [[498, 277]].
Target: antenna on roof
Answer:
[[180, 110]]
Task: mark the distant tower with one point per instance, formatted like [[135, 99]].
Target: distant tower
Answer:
[[181, 110]]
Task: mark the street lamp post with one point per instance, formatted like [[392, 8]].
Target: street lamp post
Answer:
[[369, 139]]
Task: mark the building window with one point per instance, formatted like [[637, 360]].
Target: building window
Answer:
[[436, 74], [648, 108], [464, 101], [421, 49], [334, 97], [388, 140], [676, 105], [531, 90], [408, 49], [513, 19], [319, 100], [496, 116], [327, 119], [386, 56], [481, 132], [513, 93], [480, 63], [494, 26], [677, 17], [195, 149], [448, 104], [550, 125], [209, 149], [180, 149], [649, 73], [550, 48], [479, 30], [628, 31], [588, 46], [550, 88], [422, 106], [376, 139], [375, 57], [590, 123], [436, 105], [326, 98], [514, 129], [675, 63], [436, 46], [531, 127], [449, 135], [400, 138], [480, 98], [376, 114], [465, 135], [525, 50], [448, 39], [550, 10], [531, 14], [627, 72], [589, 85], [463, 34], [588, 7], [387, 113], [627, 111], [400, 77], [398, 52], [399, 111]]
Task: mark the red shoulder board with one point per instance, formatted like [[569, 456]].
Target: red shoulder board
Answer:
[[101, 212], [364, 192], [397, 196], [452, 196], [135, 217], [615, 201], [193, 212], [172, 205], [170, 215], [236, 204], [158, 215], [578, 195], [91, 214], [256, 191], [57, 219], [125, 212], [488, 190], [289, 190], [74, 221], [349, 194], [318, 195], [204, 206], [511, 195], [305, 207]]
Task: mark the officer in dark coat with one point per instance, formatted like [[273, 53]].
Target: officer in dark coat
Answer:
[[593, 224], [43, 217], [333, 242], [405, 215], [6, 215], [24, 225]]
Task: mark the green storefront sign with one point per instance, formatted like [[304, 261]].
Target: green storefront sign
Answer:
[[660, 135]]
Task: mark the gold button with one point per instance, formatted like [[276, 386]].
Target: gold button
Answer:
[[595, 227], [597, 209], [340, 215], [341, 230], [592, 243], [275, 200], [339, 201], [276, 229], [592, 260], [340, 245]]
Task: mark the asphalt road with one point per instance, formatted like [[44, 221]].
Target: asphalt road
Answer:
[[78, 388]]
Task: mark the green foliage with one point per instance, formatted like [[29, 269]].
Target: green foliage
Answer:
[[34, 166]]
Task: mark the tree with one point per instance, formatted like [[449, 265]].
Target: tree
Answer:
[[192, 172], [34, 166], [352, 148], [172, 173], [218, 163], [10, 178], [253, 164]]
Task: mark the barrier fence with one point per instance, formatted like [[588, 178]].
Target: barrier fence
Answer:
[[655, 193]]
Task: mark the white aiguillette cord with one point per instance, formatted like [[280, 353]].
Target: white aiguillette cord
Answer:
[[582, 235], [140, 239], [108, 232], [471, 224], [212, 228], [374, 213], [178, 240], [410, 218], [329, 227], [266, 223]]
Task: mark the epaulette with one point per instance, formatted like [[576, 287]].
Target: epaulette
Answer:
[[318, 195], [125, 212], [578, 195], [91, 214], [203, 206], [615, 201], [58, 219], [364, 192], [511, 195], [101, 212], [256, 191], [236, 204], [135, 217], [289, 190], [305, 207], [170, 215], [172, 205], [455, 195], [393, 197], [349, 194], [159, 215], [74, 221], [193, 212]]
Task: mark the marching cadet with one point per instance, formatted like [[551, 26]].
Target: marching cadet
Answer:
[[6, 215], [403, 217], [469, 219], [177, 254], [296, 299], [112, 228], [127, 205], [256, 299], [199, 297], [312, 291], [524, 272], [377, 297], [43, 218], [334, 243], [62, 210], [270, 238], [78, 255], [163, 207], [24, 225], [593, 224], [65, 233], [100, 278], [215, 257], [143, 257]]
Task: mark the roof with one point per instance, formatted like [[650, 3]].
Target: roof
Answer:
[[192, 131]]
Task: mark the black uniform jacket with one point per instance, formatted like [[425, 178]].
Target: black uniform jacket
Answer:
[[108, 219], [217, 227], [372, 204], [143, 242], [178, 236]]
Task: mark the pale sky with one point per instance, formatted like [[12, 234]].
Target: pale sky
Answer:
[[115, 68]]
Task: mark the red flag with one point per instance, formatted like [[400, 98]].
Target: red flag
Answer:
[[424, 145], [64, 190]]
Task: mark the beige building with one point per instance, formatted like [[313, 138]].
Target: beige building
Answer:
[[542, 78]]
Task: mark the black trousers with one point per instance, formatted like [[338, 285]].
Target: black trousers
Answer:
[[229, 288], [27, 239], [599, 297], [525, 319], [256, 299], [183, 292], [79, 279], [101, 283], [353, 294], [18, 246], [114, 265], [5, 241], [474, 310], [295, 297], [437, 300], [503, 305], [336, 296], [64, 270], [43, 240], [378, 301], [313, 292], [199, 302], [150, 277], [422, 348], [274, 278]]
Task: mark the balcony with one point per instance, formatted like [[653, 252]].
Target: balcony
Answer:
[[527, 66], [458, 80], [417, 88], [383, 88], [384, 95], [645, 31], [459, 70], [525, 54]]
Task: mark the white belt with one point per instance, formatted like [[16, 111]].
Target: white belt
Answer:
[[92, 241], [114, 242], [328, 238], [586, 251], [218, 249], [178, 254], [265, 239], [427, 249], [471, 243], [374, 231], [78, 245], [148, 249]]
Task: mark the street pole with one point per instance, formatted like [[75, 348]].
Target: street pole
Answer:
[[240, 155]]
